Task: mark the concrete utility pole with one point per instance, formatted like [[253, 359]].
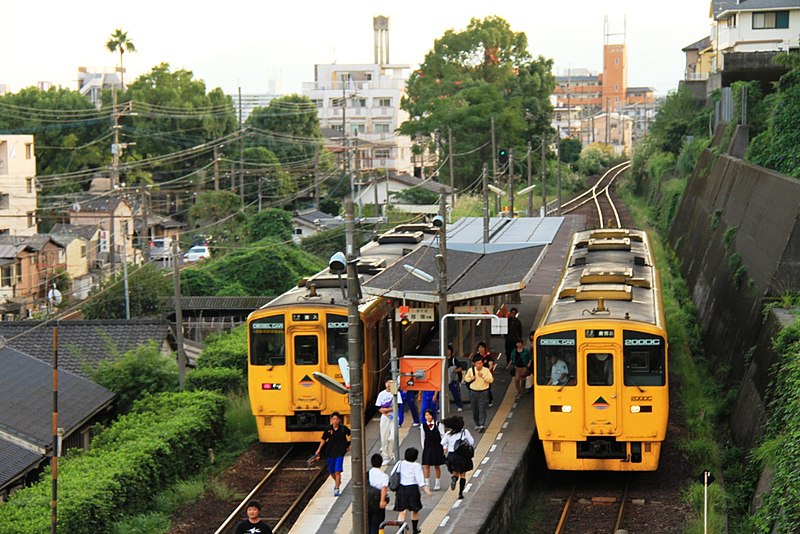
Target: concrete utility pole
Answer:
[[529, 213], [56, 439], [176, 279], [356, 376], [316, 177], [558, 157], [511, 182], [393, 361], [145, 226], [216, 168], [544, 180], [494, 153], [452, 175], [241, 150], [441, 263], [485, 177], [125, 270]]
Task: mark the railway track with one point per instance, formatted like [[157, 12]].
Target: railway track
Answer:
[[288, 484], [596, 202], [586, 512]]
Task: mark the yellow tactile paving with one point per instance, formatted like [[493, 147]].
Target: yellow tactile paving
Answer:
[[442, 509]]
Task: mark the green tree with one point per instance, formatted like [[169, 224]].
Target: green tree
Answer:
[[570, 149], [470, 76], [273, 223], [139, 372], [264, 168], [119, 42], [415, 195], [289, 128], [218, 214], [70, 134], [677, 118], [147, 288]]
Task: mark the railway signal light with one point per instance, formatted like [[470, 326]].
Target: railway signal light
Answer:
[[502, 157], [404, 315]]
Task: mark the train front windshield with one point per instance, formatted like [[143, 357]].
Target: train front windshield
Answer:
[[556, 356], [268, 341], [644, 357]]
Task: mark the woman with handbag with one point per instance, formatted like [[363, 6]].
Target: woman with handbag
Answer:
[[407, 495], [458, 446]]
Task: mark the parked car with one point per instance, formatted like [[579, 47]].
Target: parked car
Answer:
[[161, 248], [197, 253]]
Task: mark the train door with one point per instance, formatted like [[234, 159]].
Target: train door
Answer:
[[308, 394], [601, 385]]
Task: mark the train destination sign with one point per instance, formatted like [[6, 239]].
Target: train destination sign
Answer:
[[599, 333]]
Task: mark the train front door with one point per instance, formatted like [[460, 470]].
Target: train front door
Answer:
[[308, 394], [601, 400]]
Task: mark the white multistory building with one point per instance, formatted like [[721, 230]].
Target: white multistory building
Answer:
[[363, 100], [18, 186]]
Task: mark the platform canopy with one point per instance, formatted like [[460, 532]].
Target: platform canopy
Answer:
[[512, 256]]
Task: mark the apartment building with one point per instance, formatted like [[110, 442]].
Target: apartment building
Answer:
[[18, 186]]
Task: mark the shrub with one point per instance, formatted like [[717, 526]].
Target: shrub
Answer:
[[221, 379], [273, 223], [164, 437], [139, 372], [690, 153], [226, 350]]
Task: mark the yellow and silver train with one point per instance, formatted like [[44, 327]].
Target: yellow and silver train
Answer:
[[306, 330], [600, 358]]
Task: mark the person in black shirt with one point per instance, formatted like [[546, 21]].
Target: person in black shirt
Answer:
[[253, 524], [514, 333], [337, 438]]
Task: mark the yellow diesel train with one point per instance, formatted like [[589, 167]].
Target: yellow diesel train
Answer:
[[306, 330], [600, 358]]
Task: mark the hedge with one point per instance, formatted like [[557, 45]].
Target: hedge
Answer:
[[226, 349], [164, 437], [219, 379]]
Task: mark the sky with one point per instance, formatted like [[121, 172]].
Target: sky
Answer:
[[242, 43]]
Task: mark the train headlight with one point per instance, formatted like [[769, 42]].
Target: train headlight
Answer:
[[566, 408], [636, 409]]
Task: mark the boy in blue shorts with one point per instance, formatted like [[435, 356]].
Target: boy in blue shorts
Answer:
[[337, 438]]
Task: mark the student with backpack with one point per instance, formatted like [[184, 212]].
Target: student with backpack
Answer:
[[407, 496], [459, 447]]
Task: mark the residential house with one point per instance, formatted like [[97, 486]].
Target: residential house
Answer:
[[18, 186], [381, 189], [92, 81], [114, 216], [615, 130], [26, 425], [77, 264], [308, 222], [36, 260]]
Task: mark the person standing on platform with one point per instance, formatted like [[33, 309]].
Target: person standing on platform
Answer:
[[520, 360], [479, 379], [408, 494], [377, 490], [337, 439], [431, 437], [514, 332], [253, 524], [458, 463], [410, 402], [489, 362], [454, 377], [430, 401], [384, 404]]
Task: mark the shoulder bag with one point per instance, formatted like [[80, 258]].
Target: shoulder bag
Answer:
[[394, 478]]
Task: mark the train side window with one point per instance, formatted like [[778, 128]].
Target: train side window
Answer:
[[268, 341], [643, 358], [337, 338], [306, 350], [600, 369], [556, 358]]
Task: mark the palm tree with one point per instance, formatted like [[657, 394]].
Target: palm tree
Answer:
[[119, 41]]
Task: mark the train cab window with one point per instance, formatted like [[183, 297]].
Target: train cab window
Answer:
[[268, 341], [306, 350], [556, 356], [337, 338], [600, 369], [644, 359]]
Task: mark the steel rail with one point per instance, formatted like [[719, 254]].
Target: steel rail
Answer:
[[285, 516], [562, 522], [235, 515], [621, 511]]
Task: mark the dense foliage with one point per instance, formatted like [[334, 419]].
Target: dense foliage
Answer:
[[288, 127], [272, 223], [415, 195], [226, 350], [470, 76], [162, 439], [147, 288], [219, 215], [142, 371], [219, 379]]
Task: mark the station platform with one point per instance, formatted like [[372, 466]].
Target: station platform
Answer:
[[500, 452]]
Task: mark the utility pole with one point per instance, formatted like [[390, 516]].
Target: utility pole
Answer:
[[494, 153], [441, 263], [259, 195], [608, 117], [316, 177], [375, 195], [511, 182], [544, 180], [485, 177], [452, 175], [57, 433], [241, 150], [114, 177], [396, 379], [530, 183], [357, 172], [356, 376], [145, 226], [216, 168], [176, 279], [125, 269], [558, 157]]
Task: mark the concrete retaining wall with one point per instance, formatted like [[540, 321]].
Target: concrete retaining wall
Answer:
[[726, 194]]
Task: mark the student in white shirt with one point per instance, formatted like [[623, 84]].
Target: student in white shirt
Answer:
[[376, 494], [384, 404], [411, 480], [457, 462]]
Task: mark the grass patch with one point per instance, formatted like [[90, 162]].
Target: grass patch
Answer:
[[223, 492], [149, 523]]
